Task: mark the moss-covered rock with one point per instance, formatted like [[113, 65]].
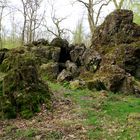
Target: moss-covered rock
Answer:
[[44, 54], [91, 60], [76, 54], [65, 76], [117, 41], [77, 84], [109, 77], [2, 54], [22, 90], [72, 67], [95, 84], [40, 42], [59, 42], [12, 58], [118, 28], [51, 70]]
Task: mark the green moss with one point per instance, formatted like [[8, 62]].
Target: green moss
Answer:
[[7, 109], [26, 134], [23, 92], [86, 75], [50, 70], [54, 135], [96, 85], [1, 83], [26, 113], [14, 58]]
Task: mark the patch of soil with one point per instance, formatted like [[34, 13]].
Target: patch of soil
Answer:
[[61, 123]]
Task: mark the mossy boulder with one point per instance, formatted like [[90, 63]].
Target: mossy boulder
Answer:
[[51, 70], [117, 41], [95, 84], [23, 92], [41, 42], [65, 76], [91, 60], [110, 77], [118, 28], [3, 54], [12, 58], [72, 67], [44, 54], [126, 56], [77, 84], [77, 53], [59, 42]]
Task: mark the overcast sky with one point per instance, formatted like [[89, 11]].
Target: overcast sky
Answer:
[[64, 8]]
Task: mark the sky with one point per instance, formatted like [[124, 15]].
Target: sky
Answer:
[[64, 8]]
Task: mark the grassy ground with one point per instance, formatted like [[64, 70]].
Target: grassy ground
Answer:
[[79, 115], [9, 45]]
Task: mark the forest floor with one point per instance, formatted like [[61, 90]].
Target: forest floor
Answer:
[[79, 115]]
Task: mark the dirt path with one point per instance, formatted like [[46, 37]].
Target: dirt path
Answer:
[[61, 123]]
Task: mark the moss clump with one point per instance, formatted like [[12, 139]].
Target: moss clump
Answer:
[[50, 70], [96, 85], [14, 57], [22, 90], [7, 110]]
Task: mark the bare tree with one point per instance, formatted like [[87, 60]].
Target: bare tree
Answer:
[[93, 15], [24, 5], [56, 29], [32, 18], [118, 5], [3, 5]]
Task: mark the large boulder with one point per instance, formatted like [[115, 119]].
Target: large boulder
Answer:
[[41, 41], [116, 79], [64, 76], [59, 42], [2, 54], [91, 59], [111, 78], [116, 46], [77, 53], [72, 67], [11, 59], [126, 56], [44, 54], [117, 28], [50, 70], [23, 92], [64, 45]]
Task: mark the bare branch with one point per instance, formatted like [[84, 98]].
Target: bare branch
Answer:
[[84, 3], [99, 11]]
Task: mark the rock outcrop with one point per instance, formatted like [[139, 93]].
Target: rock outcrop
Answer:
[[118, 28], [3, 54], [117, 41], [22, 90]]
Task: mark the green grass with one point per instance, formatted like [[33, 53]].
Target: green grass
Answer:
[[28, 133], [106, 116], [9, 45]]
